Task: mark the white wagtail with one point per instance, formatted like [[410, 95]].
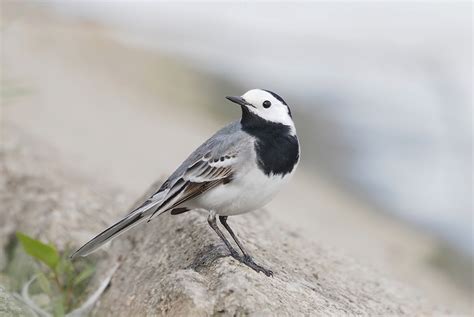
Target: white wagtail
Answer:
[[239, 169]]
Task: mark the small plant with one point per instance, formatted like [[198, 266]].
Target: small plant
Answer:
[[59, 283]]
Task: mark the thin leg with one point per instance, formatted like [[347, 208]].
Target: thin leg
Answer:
[[211, 219], [223, 220], [247, 259]]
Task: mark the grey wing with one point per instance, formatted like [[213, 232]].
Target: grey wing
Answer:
[[231, 136], [213, 163]]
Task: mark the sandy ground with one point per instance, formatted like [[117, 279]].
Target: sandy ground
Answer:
[[123, 116]]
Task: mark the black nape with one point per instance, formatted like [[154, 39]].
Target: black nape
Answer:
[[277, 97]]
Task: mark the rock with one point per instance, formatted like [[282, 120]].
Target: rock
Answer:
[[39, 198], [11, 307], [177, 266]]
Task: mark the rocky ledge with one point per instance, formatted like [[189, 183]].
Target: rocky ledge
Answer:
[[177, 266]]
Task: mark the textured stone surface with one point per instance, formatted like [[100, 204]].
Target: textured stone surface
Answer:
[[37, 197], [176, 265], [11, 307]]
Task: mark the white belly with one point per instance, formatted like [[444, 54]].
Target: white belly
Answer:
[[246, 192]]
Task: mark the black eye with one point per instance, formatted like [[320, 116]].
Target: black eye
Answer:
[[267, 104]]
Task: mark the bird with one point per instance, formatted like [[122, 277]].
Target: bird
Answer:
[[237, 170]]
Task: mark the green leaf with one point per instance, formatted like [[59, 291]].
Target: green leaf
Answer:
[[58, 308], [66, 269], [44, 283], [85, 274], [43, 252]]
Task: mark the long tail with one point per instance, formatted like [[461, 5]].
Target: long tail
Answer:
[[131, 220]]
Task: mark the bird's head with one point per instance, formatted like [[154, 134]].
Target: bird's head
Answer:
[[265, 105]]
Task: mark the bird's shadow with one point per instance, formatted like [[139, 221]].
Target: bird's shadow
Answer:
[[208, 255]]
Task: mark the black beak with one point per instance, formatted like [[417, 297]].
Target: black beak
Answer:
[[240, 101]]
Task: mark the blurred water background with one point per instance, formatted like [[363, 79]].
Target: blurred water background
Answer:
[[383, 89]]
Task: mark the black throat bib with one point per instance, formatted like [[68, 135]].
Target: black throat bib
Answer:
[[277, 150]]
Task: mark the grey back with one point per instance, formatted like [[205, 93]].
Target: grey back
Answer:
[[230, 138]]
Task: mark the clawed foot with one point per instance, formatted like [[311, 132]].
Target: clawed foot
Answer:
[[247, 260], [235, 255]]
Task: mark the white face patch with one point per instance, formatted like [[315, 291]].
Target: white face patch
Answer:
[[268, 107]]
